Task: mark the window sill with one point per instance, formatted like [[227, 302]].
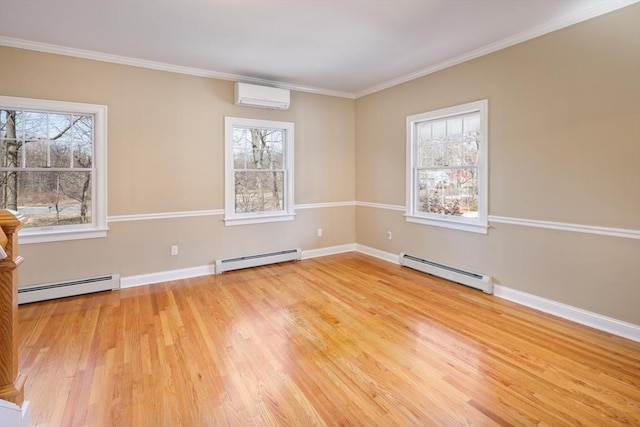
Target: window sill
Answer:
[[258, 219], [476, 227], [27, 236]]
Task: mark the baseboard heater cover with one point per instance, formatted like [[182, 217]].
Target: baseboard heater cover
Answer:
[[256, 260], [474, 280], [67, 289]]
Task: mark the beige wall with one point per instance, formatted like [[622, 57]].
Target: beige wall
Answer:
[[166, 154], [142, 247], [564, 138], [564, 146]]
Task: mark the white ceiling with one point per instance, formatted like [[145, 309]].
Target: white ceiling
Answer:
[[344, 47]]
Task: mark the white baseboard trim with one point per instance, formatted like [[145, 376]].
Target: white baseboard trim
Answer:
[[578, 315], [377, 253], [13, 415], [166, 276], [205, 270], [331, 250]]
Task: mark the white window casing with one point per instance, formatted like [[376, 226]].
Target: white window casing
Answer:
[[419, 169], [286, 211], [98, 226]]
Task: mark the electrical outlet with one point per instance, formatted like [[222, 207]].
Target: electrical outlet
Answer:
[[319, 232], [389, 235], [174, 250]]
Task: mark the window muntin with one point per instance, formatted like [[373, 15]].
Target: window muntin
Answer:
[[446, 167], [52, 169], [259, 171]]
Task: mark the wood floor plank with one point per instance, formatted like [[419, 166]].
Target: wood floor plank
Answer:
[[339, 340]]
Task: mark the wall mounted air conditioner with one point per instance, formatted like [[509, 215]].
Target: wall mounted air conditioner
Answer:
[[261, 96]]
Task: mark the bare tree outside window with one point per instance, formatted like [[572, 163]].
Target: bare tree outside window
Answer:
[[258, 162], [258, 171], [46, 166]]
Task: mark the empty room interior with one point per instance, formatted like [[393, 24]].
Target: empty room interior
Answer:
[[393, 213]]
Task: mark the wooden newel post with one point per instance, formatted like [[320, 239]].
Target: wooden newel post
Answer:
[[11, 381]]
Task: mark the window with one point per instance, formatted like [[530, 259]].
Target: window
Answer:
[[259, 171], [447, 167], [53, 167]]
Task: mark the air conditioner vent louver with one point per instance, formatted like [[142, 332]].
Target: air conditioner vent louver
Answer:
[[261, 96]]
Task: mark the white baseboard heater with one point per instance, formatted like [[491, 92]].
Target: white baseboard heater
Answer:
[[256, 260], [67, 289], [474, 280]]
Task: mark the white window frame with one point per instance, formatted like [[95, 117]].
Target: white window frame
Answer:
[[476, 225], [98, 226], [287, 214]]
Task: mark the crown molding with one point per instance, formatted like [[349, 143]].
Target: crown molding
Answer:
[[160, 66], [583, 15]]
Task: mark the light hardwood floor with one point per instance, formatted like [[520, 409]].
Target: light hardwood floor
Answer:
[[339, 340]]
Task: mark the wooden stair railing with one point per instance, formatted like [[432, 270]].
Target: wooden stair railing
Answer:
[[11, 381]]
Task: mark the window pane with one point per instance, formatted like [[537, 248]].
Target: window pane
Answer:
[[49, 170], [3, 120], [11, 123], [11, 151], [35, 151], [258, 148], [241, 150], [83, 155], [259, 191], [81, 152], [60, 153], [273, 150], [439, 129], [430, 153], [19, 123], [59, 127], [446, 151], [448, 191], [35, 125], [454, 126], [452, 151], [471, 149], [10, 131], [82, 128], [51, 198], [424, 131], [472, 123], [451, 142]]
